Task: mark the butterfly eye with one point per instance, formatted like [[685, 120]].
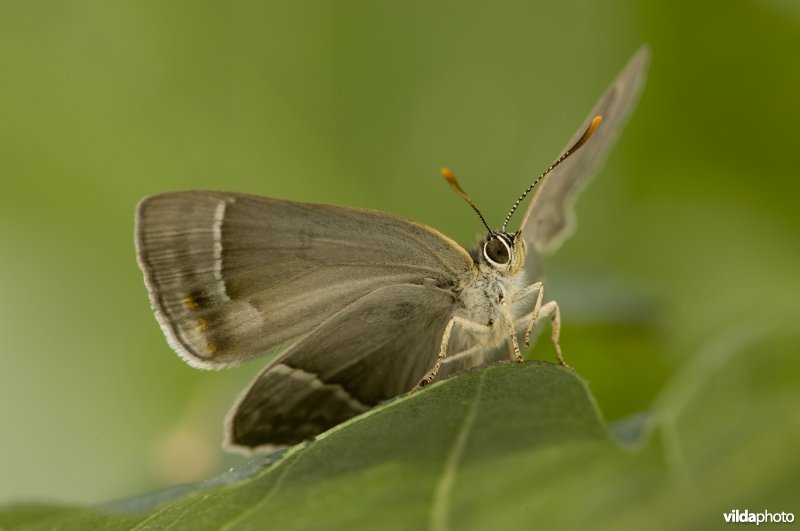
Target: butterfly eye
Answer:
[[497, 251]]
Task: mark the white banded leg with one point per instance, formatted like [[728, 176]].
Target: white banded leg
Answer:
[[471, 356], [549, 310], [528, 291], [466, 324], [510, 324]]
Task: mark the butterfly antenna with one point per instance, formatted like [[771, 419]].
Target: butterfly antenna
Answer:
[[581, 141], [450, 178]]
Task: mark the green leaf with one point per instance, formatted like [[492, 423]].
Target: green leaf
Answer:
[[513, 446]]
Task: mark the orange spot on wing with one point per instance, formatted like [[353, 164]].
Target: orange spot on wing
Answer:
[[190, 302]]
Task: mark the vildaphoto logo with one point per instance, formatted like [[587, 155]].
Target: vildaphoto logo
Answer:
[[746, 517]]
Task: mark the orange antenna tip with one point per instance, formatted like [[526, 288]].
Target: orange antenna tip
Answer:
[[581, 141], [595, 122], [588, 133], [451, 179]]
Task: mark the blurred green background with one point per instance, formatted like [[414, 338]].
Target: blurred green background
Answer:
[[689, 232]]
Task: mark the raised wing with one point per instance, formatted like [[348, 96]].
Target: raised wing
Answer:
[[231, 275], [548, 220]]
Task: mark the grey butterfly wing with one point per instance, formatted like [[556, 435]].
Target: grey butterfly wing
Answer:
[[375, 348], [232, 275], [548, 219]]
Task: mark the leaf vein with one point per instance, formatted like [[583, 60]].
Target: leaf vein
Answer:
[[439, 518]]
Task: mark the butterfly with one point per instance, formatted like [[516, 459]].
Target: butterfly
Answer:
[[359, 305]]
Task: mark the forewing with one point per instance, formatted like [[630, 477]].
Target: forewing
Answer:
[[231, 276], [376, 348], [549, 219]]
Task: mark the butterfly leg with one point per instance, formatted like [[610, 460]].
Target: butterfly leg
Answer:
[[466, 325], [549, 310], [467, 358], [536, 289], [510, 323], [526, 292]]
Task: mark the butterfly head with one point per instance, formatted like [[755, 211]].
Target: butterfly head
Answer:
[[502, 251]]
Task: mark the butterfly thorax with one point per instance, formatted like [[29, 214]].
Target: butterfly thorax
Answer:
[[499, 261]]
